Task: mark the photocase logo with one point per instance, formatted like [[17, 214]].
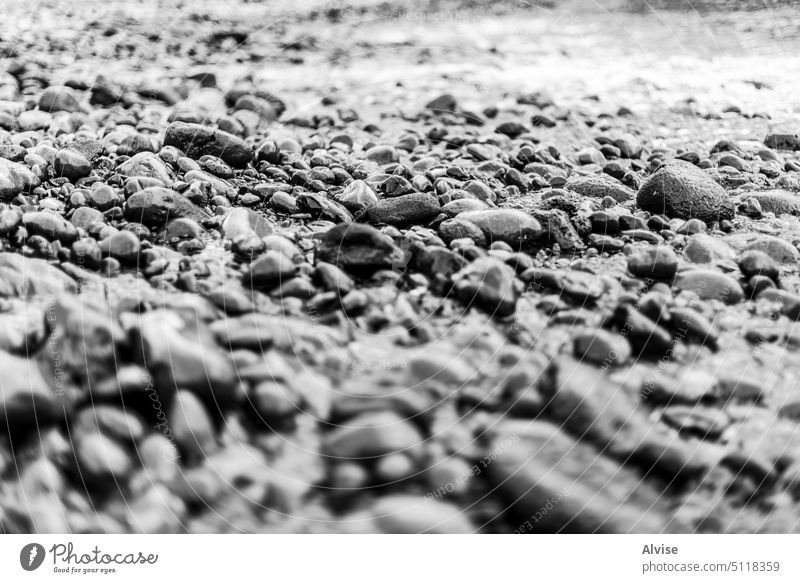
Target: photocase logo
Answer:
[[31, 556]]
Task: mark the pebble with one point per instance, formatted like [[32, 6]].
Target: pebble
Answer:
[[28, 403], [191, 426], [197, 140], [710, 285], [401, 210], [15, 178], [122, 245], [660, 262], [780, 251], [779, 202], [59, 98], [371, 435], [270, 270], [489, 284], [50, 225], [181, 353], [754, 262], [224, 309], [602, 348], [71, 165], [581, 490], [146, 165], [702, 248], [514, 227], [100, 459], [358, 249], [600, 186], [156, 206], [405, 514]]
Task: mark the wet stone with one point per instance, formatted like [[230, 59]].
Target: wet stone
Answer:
[[197, 140], [682, 190]]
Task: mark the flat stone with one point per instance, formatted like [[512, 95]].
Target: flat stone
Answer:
[[414, 208], [710, 285], [515, 227], [600, 186], [406, 514], [50, 225], [197, 140], [779, 202]]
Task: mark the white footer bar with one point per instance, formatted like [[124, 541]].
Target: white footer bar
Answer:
[[401, 559]]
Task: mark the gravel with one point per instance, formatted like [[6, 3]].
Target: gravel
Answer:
[[239, 295]]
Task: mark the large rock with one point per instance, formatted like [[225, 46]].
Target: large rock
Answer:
[[515, 227], [679, 189], [197, 140]]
